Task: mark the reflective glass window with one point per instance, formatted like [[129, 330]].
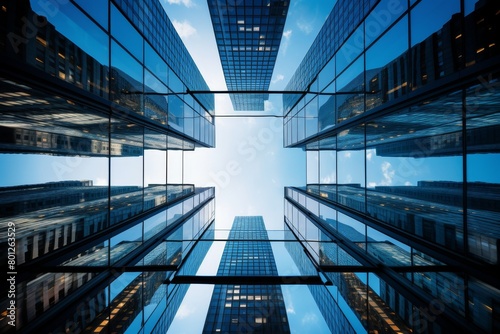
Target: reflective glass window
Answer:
[[301, 124], [327, 167], [123, 31], [155, 169], [174, 167], [326, 105], [414, 170], [122, 244], [58, 165], [388, 250], [155, 64], [127, 152], [351, 49], [381, 17], [98, 10], [351, 168], [69, 21], [386, 66], [155, 104], [329, 215], [350, 90], [126, 79], [174, 213], [154, 225], [352, 229], [311, 115], [312, 167], [326, 75], [434, 32], [483, 181]]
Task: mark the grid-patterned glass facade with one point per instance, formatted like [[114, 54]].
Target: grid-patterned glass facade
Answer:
[[401, 205], [111, 55], [247, 308], [248, 35], [94, 119]]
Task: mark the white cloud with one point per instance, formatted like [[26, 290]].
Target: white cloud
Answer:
[[347, 154], [372, 184], [309, 318], [100, 182], [286, 41], [184, 311], [268, 106], [348, 178], [387, 172], [305, 26], [329, 178], [279, 77], [187, 3], [407, 183], [369, 154], [184, 28]]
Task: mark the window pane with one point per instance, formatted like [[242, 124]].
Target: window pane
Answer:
[[126, 170], [351, 86], [126, 79], [483, 159], [434, 32], [414, 170], [351, 165], [125, 33], [379, 19], [386, 66]]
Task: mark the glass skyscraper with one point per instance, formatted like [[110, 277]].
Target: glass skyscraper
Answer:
[[247, 308], [94, 120], [396, 105], [398, 117], [248, 35]]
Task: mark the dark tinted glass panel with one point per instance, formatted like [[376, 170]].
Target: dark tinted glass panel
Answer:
[[54, 167], [481, 35], [98, 10], [350, 90], [386, 12], [126, 79], [386, 66], [76, 27], [435, 47], [483, 157]]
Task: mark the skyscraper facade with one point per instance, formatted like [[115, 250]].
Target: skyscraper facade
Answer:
[[401, 207], [247, 308], [248, 35], [94, 119]]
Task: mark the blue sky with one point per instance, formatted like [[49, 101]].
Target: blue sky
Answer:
[[249, 166]]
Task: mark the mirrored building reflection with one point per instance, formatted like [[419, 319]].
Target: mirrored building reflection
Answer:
[[396, 229], [94, 118], [239, 308], [399, 122], [248, 36]]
